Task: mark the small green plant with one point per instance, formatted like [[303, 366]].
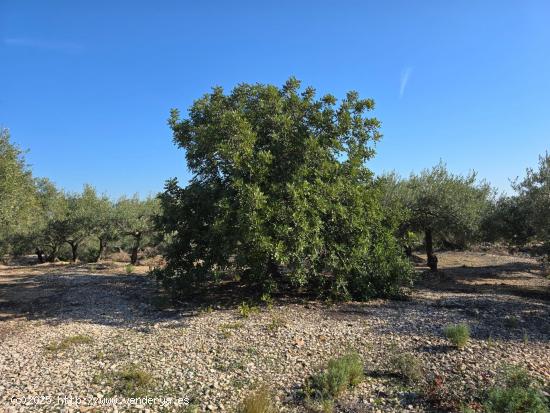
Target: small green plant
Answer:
[[267, 300], [407, 366], [516, 392], [276, 323], [226, 329], [340, 374], [68, 342], [131, 381], [245, 310], [458, 334], [129, 269], [258, 401], [511, 322]]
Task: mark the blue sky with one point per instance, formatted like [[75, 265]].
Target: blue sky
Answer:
[[87, 86]]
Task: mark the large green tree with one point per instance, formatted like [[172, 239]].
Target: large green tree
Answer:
[[280, 192], [18, 201]]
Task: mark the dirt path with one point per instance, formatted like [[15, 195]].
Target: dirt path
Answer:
[[72, 331]]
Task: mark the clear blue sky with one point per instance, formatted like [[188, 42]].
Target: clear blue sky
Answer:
[[87, 86]]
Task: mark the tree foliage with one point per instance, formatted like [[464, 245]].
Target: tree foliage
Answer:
[[444, 206], [534, 193], [17, 194], [137, 221], [280, 193]]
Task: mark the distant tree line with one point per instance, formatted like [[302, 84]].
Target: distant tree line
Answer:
[[36, 217]]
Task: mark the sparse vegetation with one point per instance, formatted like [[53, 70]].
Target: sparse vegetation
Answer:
[[246, 310], [276, 323], [129, 381], [258, 401], [511, 322], [129, 269], [458, 334], [407, 366], [341, 373], [516, 392], [68, 342], [227, 328]]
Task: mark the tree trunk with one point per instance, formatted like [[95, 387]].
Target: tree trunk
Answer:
[[102, 246], [432, 258], [40, 255], [273, 269], [53, 256], [74, 250], [135, 248]]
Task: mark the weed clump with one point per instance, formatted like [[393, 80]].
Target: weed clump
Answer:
[[407, 366], [259, 401], [68, 342], [245, 310], [341, 373], [129, 269], [458, 334]]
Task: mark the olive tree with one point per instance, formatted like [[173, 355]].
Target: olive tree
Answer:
[[137, 221], [534, 192], [509, 219], [280, 194], [106, 226], [444, 206], [18, 202], [80, 220]]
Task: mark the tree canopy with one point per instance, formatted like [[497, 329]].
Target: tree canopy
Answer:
[[18, 202], [440, 204], [280, 193]]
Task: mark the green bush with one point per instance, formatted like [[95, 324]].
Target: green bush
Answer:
[[458, 334], [129, 269], [407, 366], [281, 195], [340, 374], [517, 393]]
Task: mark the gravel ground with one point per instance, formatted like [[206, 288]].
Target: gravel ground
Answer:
[[212, 357]]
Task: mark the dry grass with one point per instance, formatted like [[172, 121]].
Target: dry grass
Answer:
[[259, 401]]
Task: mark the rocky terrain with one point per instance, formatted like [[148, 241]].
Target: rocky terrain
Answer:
[[72, 338]]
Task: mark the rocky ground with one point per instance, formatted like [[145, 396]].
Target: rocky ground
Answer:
[[74, 337]]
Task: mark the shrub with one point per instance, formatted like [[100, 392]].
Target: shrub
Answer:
[[516, 392], [129, 269], [408, 366], [281, 195], [458, 334], [340, 374], [259, 401]]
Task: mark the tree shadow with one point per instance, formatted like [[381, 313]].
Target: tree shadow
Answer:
[[520, 279]]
